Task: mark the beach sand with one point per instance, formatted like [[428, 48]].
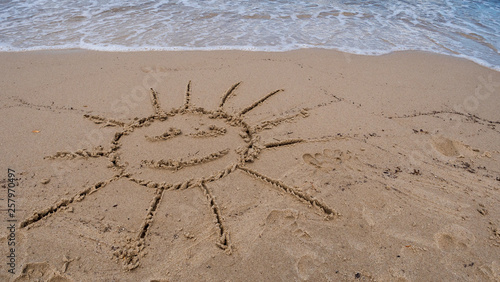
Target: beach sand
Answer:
[[318, 166]]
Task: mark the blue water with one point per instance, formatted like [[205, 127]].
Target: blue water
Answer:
[[468, 29]]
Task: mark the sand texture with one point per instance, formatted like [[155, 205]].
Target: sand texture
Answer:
[[309, 165]]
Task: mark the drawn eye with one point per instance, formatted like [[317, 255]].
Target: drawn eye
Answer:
[[212, 131], [171, 133]]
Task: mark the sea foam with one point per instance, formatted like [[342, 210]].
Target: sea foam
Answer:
[[467, 29]]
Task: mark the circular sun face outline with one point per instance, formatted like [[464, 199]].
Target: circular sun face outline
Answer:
[[191, 140], [245, 154], [129, 252]]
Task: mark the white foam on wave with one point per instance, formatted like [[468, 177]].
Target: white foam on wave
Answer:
[[466, 29], [354, 51]]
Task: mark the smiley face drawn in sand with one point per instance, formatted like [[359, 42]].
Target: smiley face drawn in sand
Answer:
[[186, 147]]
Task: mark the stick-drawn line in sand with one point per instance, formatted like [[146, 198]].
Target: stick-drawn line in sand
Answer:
[[290, 190], [179, 164], [130, 252], [64, 203], [156, 104], [104, 121], [228, 93], [171, 133], [52, 108], [467, 115], [224, 241], [283, 143], [474, 118], [187, 102], [213, 131], [268, 124], [257, 103]]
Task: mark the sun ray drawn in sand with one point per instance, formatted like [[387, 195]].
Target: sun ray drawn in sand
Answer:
[[248, 152]]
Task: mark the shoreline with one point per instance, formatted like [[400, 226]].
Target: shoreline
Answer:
[[231, 49], [332, 166]]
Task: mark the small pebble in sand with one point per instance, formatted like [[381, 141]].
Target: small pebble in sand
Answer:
[[188, 235], [45, 181]]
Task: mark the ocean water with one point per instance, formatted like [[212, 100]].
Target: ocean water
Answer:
[[463, 28]]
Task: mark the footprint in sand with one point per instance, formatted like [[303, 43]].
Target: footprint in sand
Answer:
[[287, 220], [445, 146], [328, 160], [452, 148], [491, 271], [41, 271], [307, 266], [340, 168], [282, 218], [454, 237]]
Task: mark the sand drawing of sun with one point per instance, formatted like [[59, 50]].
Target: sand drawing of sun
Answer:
[[218, 141]]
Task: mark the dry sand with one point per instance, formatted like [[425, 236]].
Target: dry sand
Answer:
[[318, 166]]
